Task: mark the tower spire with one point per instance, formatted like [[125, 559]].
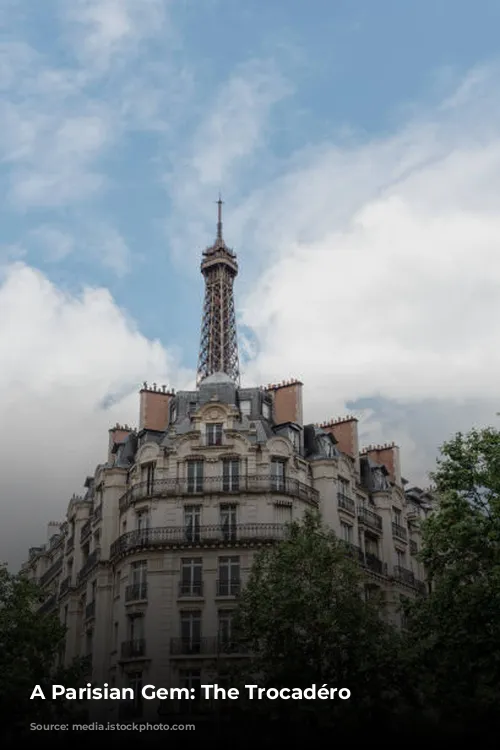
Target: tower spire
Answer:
[[219, 344], [220, 203]]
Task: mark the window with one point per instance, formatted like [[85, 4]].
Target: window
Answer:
[[190, 679], [192, 522], [225, 628], [191, 632], [371, 545], [89, 638], [142, 520], [230, 475], [93, 591], [134, 707], [135, 629], [401, 558], [115, 636], [277, 474], [228, 583], [191, 577], [148, 478], [139, 578], [343, 487], [214, 434], [228, 521], [396, 516], [346, 531], [283, 514], [266, 410], [295, 440], [195, 476], [246, 407], [173, 414]]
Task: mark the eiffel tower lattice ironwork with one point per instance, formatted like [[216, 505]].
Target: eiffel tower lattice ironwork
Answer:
[[219, 343]]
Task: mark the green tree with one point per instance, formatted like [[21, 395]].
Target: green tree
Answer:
[[30, 643], [454, 633], [304, 617]]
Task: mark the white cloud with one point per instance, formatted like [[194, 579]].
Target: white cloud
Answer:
[[232, 134], [61, 356], [103, 29], [382, 268]]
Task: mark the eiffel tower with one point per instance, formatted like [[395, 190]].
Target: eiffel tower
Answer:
[[219, 344]]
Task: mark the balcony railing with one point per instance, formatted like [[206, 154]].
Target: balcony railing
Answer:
[[175, 536], [219, 485], [65, 586], [91, 562], [48, 605], [90, 610], [191, 588], [346, 503], [54, 569], [399, 532], [354, 551], [134, 649], [85, 531], [404, 575], [136, 592], [230, 587], [369, 518], [374, 563]]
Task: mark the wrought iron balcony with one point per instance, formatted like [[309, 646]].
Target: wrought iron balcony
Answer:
[[54, 569], [191, 588], [346, 503], [353, 551], [134, 649], [404, 575], [374, 563], [48, 605], [220, 485], [178, 536], [399, 532], [228, 587], [369, 518], [65, 586], [85, 531], [91, 562], [90, 610], [136, 592]]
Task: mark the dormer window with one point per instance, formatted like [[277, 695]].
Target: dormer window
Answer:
[[214, 434], [266, 410]]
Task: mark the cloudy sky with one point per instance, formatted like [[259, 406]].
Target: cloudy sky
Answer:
[[357, 147]]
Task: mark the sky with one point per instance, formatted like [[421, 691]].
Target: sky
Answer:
[[357, 148]]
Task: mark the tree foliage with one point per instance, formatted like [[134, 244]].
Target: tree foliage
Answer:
[[454, 634], [304, 616], [29, 647]]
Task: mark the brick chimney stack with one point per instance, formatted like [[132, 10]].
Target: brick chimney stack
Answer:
[[388, 455], [287, 398], [345, 432], [154, 407], [117, 434]]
